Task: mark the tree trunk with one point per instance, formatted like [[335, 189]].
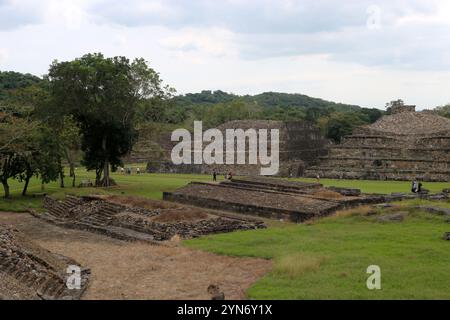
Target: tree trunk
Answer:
[[25, 187], [98, 176], [61, 178], [72, 169], [106, 179], [73, 180], [6, 188]]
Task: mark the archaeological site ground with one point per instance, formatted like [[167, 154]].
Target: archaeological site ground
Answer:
[[243, 236]]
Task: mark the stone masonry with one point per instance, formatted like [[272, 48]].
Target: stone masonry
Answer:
[[403, 145], [301, 144]]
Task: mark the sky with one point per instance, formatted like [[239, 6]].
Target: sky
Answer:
[[351, 51]]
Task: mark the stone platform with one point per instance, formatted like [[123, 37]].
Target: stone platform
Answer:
[[148, 221], [271, 198]]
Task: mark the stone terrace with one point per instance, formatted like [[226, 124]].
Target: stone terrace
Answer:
[[116, 218], [271, 198]]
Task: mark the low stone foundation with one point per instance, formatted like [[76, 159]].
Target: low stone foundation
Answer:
[[271, 198], [134, 223]]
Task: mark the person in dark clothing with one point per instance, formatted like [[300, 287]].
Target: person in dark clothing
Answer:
[[214, 175]]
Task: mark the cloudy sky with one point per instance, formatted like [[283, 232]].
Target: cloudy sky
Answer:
[[353, 51]]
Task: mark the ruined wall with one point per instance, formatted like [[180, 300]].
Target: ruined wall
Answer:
[[300, 146]]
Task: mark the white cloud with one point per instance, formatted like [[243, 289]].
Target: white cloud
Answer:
[[316, 47], [198, 42], [3, 55]]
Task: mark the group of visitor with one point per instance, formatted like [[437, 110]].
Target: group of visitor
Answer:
[[228, 176], [129, 170]]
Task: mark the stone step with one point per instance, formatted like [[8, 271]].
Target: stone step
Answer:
[[275, 184], [257, 187]]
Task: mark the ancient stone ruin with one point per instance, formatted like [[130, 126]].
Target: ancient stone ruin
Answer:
[[135, 219], [271, 198], [29, 272], [300, 146], [403, 145]]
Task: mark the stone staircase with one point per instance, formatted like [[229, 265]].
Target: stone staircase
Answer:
[[33, 272], [98, 221]]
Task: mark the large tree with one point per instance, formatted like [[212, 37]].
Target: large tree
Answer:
[[102, 94]]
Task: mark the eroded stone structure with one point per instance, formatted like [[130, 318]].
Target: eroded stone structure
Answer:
[[271, 198], [29, 272], [403, 145], [301, 144], [158, 222]]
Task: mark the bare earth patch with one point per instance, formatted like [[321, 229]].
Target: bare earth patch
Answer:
[[124, 270]]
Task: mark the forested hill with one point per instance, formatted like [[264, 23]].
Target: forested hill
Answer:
[[266, 99], [11, 81]]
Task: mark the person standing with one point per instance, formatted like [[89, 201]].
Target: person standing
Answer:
[[414, 187], [214, 176]]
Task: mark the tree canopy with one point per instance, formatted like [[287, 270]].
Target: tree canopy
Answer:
[[103, 94]]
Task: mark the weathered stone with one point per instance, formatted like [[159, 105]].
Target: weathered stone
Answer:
[[436, 210], [383, 205], [301, 143], [269, 198], [96, 214], [346, 191], [394, 217], [28, 271], [215, 292], [404, 145]]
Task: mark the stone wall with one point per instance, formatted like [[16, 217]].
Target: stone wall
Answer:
[[300, 146]]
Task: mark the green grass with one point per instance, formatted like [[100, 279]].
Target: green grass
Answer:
[[328, 259], [145, 185]]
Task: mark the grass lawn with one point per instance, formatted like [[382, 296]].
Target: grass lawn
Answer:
[[145, 185], [326, 259]]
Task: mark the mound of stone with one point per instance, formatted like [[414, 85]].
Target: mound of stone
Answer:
[[29, 272], [393, 217]]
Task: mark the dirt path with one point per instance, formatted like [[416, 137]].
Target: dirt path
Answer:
[[122, 270]]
